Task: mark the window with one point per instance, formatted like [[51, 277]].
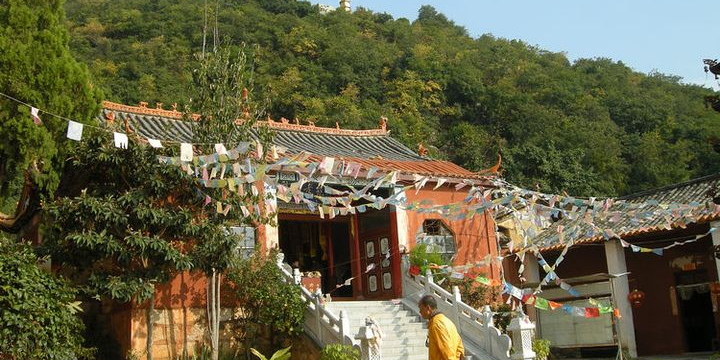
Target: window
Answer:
[[246, 245], [438, 238]]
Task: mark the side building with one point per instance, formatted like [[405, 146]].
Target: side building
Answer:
[[668, 265]]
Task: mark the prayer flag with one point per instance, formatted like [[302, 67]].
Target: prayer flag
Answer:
[[121, 140], [186, 152], [541, 303], [554, 305], [220, 149], [154, 143], [35, 116], [74, 131], [592, 312]]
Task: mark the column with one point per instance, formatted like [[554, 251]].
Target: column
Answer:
[[615, 256], [716, 242], [531, 273]]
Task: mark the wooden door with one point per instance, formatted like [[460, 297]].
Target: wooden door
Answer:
[[377, 277]]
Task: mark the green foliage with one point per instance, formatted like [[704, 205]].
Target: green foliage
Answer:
[[420, 256], [129, 227], [591, 127], [339, 352], [38, 318], [282, 354], [268, 303], [541, 347], [36, 67]]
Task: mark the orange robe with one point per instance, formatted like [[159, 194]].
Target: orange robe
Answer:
[[444, 341]]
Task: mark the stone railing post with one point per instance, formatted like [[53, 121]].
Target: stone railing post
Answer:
[[367, 351], [457, 298], [430, 280], [344, 326], [318, 317], [297, 276], [487, 323], [523, 332]]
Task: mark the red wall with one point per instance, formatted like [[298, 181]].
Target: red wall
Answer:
[[474, 238]]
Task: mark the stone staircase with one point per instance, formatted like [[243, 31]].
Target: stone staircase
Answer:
[[404, 331]]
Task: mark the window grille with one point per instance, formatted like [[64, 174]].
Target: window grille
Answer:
[[438, 238]]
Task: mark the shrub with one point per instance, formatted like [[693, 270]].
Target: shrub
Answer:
[[37, 310], [420, 256], [339, 352], [541, 347], [269, 305]]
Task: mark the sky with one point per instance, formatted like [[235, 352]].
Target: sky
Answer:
[[668, 36]]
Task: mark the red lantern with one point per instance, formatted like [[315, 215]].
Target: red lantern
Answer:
[[636, 298], [715, 288]]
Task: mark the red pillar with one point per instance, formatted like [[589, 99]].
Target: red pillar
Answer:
[[355, 259]]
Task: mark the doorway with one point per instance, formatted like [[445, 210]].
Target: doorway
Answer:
[[696, 309], [319, 247]]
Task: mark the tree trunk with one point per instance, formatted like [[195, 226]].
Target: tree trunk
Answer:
[[148, 318], [213, 313]]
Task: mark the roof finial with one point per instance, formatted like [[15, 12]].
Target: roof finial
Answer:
[[337, 125], [422, 151], [383, 123], [110, 117]]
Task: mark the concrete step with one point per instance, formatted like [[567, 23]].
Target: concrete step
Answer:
[[402, 350], [387, 322], [403, 341]]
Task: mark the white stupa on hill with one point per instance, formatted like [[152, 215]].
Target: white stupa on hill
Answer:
[[344, 4]]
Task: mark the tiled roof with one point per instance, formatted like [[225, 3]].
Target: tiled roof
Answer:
[[629, 224], [368, 147]]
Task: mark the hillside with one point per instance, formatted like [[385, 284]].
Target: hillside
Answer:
[[593, 127]]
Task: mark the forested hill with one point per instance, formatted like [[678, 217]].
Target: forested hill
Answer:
[[593, 127]]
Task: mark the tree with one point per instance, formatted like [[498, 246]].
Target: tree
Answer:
[[36, 68], [37, 310], [227, 115], [129, 228]]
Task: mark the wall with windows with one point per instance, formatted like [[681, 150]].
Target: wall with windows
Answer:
[[473, 238]]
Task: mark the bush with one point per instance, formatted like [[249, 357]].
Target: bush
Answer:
[[269, 305], [541, 347], [421, 257], [339, 352], [37, 310]]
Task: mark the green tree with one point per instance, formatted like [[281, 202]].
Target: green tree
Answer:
[[37, 310], [426, 76], [37, 68], [130, 226], [227, 115]]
